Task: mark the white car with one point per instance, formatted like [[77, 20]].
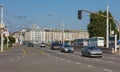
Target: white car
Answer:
[[42, 45]]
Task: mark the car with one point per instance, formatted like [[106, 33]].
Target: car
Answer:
[[30, 44], [55, 46], [42, 44], [67, 48], [91, 51]]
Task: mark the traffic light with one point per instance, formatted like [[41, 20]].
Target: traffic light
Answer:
[[79, 14]]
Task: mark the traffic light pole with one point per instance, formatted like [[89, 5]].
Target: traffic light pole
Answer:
[[107, 21]]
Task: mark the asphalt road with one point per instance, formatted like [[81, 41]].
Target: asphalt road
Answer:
[[37, 59]]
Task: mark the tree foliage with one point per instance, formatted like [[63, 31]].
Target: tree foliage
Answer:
[[97, 25], [11, 40]]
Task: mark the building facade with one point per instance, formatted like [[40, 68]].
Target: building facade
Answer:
[[36, 34]]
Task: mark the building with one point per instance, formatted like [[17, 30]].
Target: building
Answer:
[[36, 34]]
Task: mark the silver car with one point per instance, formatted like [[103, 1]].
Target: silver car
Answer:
[[66, 48], [42, 44], [91, 51]]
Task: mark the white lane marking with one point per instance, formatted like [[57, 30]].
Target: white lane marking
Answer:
[[90, 66], [68, 60], [110, 62], [98, 60], [56, 57], [108, 70], [19, 57], [77, 62], [11, 60]]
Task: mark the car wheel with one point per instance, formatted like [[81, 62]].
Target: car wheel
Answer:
[[100, 56], [89, 55], [83, 54]]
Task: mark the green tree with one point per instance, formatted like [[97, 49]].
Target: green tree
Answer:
[[97, 25]]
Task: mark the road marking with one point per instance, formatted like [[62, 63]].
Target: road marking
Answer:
[[40, 51], [77, 62], [56, 57], [98, 60], [11, 60], [24, 52], [90, 66], [19, 57], [68, 60], [110, 62], [108, 70], [79, 56]]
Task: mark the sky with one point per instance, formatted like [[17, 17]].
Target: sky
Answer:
[[19, 14]]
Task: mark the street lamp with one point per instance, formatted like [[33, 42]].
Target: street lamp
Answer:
[[107, 27], [63, 33], [51, 32], [2, 27]]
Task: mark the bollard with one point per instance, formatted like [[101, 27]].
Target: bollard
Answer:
[[113, 51]]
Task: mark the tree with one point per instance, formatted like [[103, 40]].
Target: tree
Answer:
[[97, 25]]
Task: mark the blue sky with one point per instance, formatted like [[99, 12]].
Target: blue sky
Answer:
[[36, 11]]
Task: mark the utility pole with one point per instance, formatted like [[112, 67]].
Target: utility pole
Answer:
[[107, 29], [63, 33], [1, 27]]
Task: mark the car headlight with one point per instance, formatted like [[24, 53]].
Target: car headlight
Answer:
[[72, 49], [66, 49]]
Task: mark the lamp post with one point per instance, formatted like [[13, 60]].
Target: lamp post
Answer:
[[107, 27], [1, 27], [63, 33], [51, 31]]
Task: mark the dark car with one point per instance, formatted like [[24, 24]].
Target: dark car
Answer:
[[91, 51], [30, 44], [66, 48], [55, 46]]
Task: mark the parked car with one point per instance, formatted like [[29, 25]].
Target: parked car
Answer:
[[30, 44], [91, 51], [42, 44], [55, 45], [67, 48]]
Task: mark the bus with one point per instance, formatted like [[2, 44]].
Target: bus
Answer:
[[81, 42], [96, 41]]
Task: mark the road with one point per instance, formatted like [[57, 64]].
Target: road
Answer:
[[37, 59]]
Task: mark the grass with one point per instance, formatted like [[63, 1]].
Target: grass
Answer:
[[5, 48]]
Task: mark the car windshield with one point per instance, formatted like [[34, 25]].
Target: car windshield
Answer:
[[56, 44], [42, 43], [67, 46], [93, 48]]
